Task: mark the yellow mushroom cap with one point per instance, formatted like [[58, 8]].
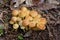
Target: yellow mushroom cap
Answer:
[[43, 21], [11, 22], [38, 16], [22, 15], [19, 19], [32, 24], [15, 12], [36, 19], [14, 19], [15, 26], [25, 22], [23, 9], [27, 12], [41, 26], [29, 18], [33, 13]]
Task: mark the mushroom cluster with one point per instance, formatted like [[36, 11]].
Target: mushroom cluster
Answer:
[[25, 18]]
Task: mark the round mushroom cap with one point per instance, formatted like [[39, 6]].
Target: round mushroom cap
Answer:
[[25, 22], [15, 12], [24, 9], [43, 21], [15, 26], [11, 22], [29, 18], [14, 19], [32, 24], [33, 13], [41, 26]]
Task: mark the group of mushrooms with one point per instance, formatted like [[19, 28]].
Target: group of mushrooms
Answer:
[[25, 18]]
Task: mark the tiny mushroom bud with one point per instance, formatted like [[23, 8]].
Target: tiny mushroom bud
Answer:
[[15, 26], [15, 12], [14, 19]]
